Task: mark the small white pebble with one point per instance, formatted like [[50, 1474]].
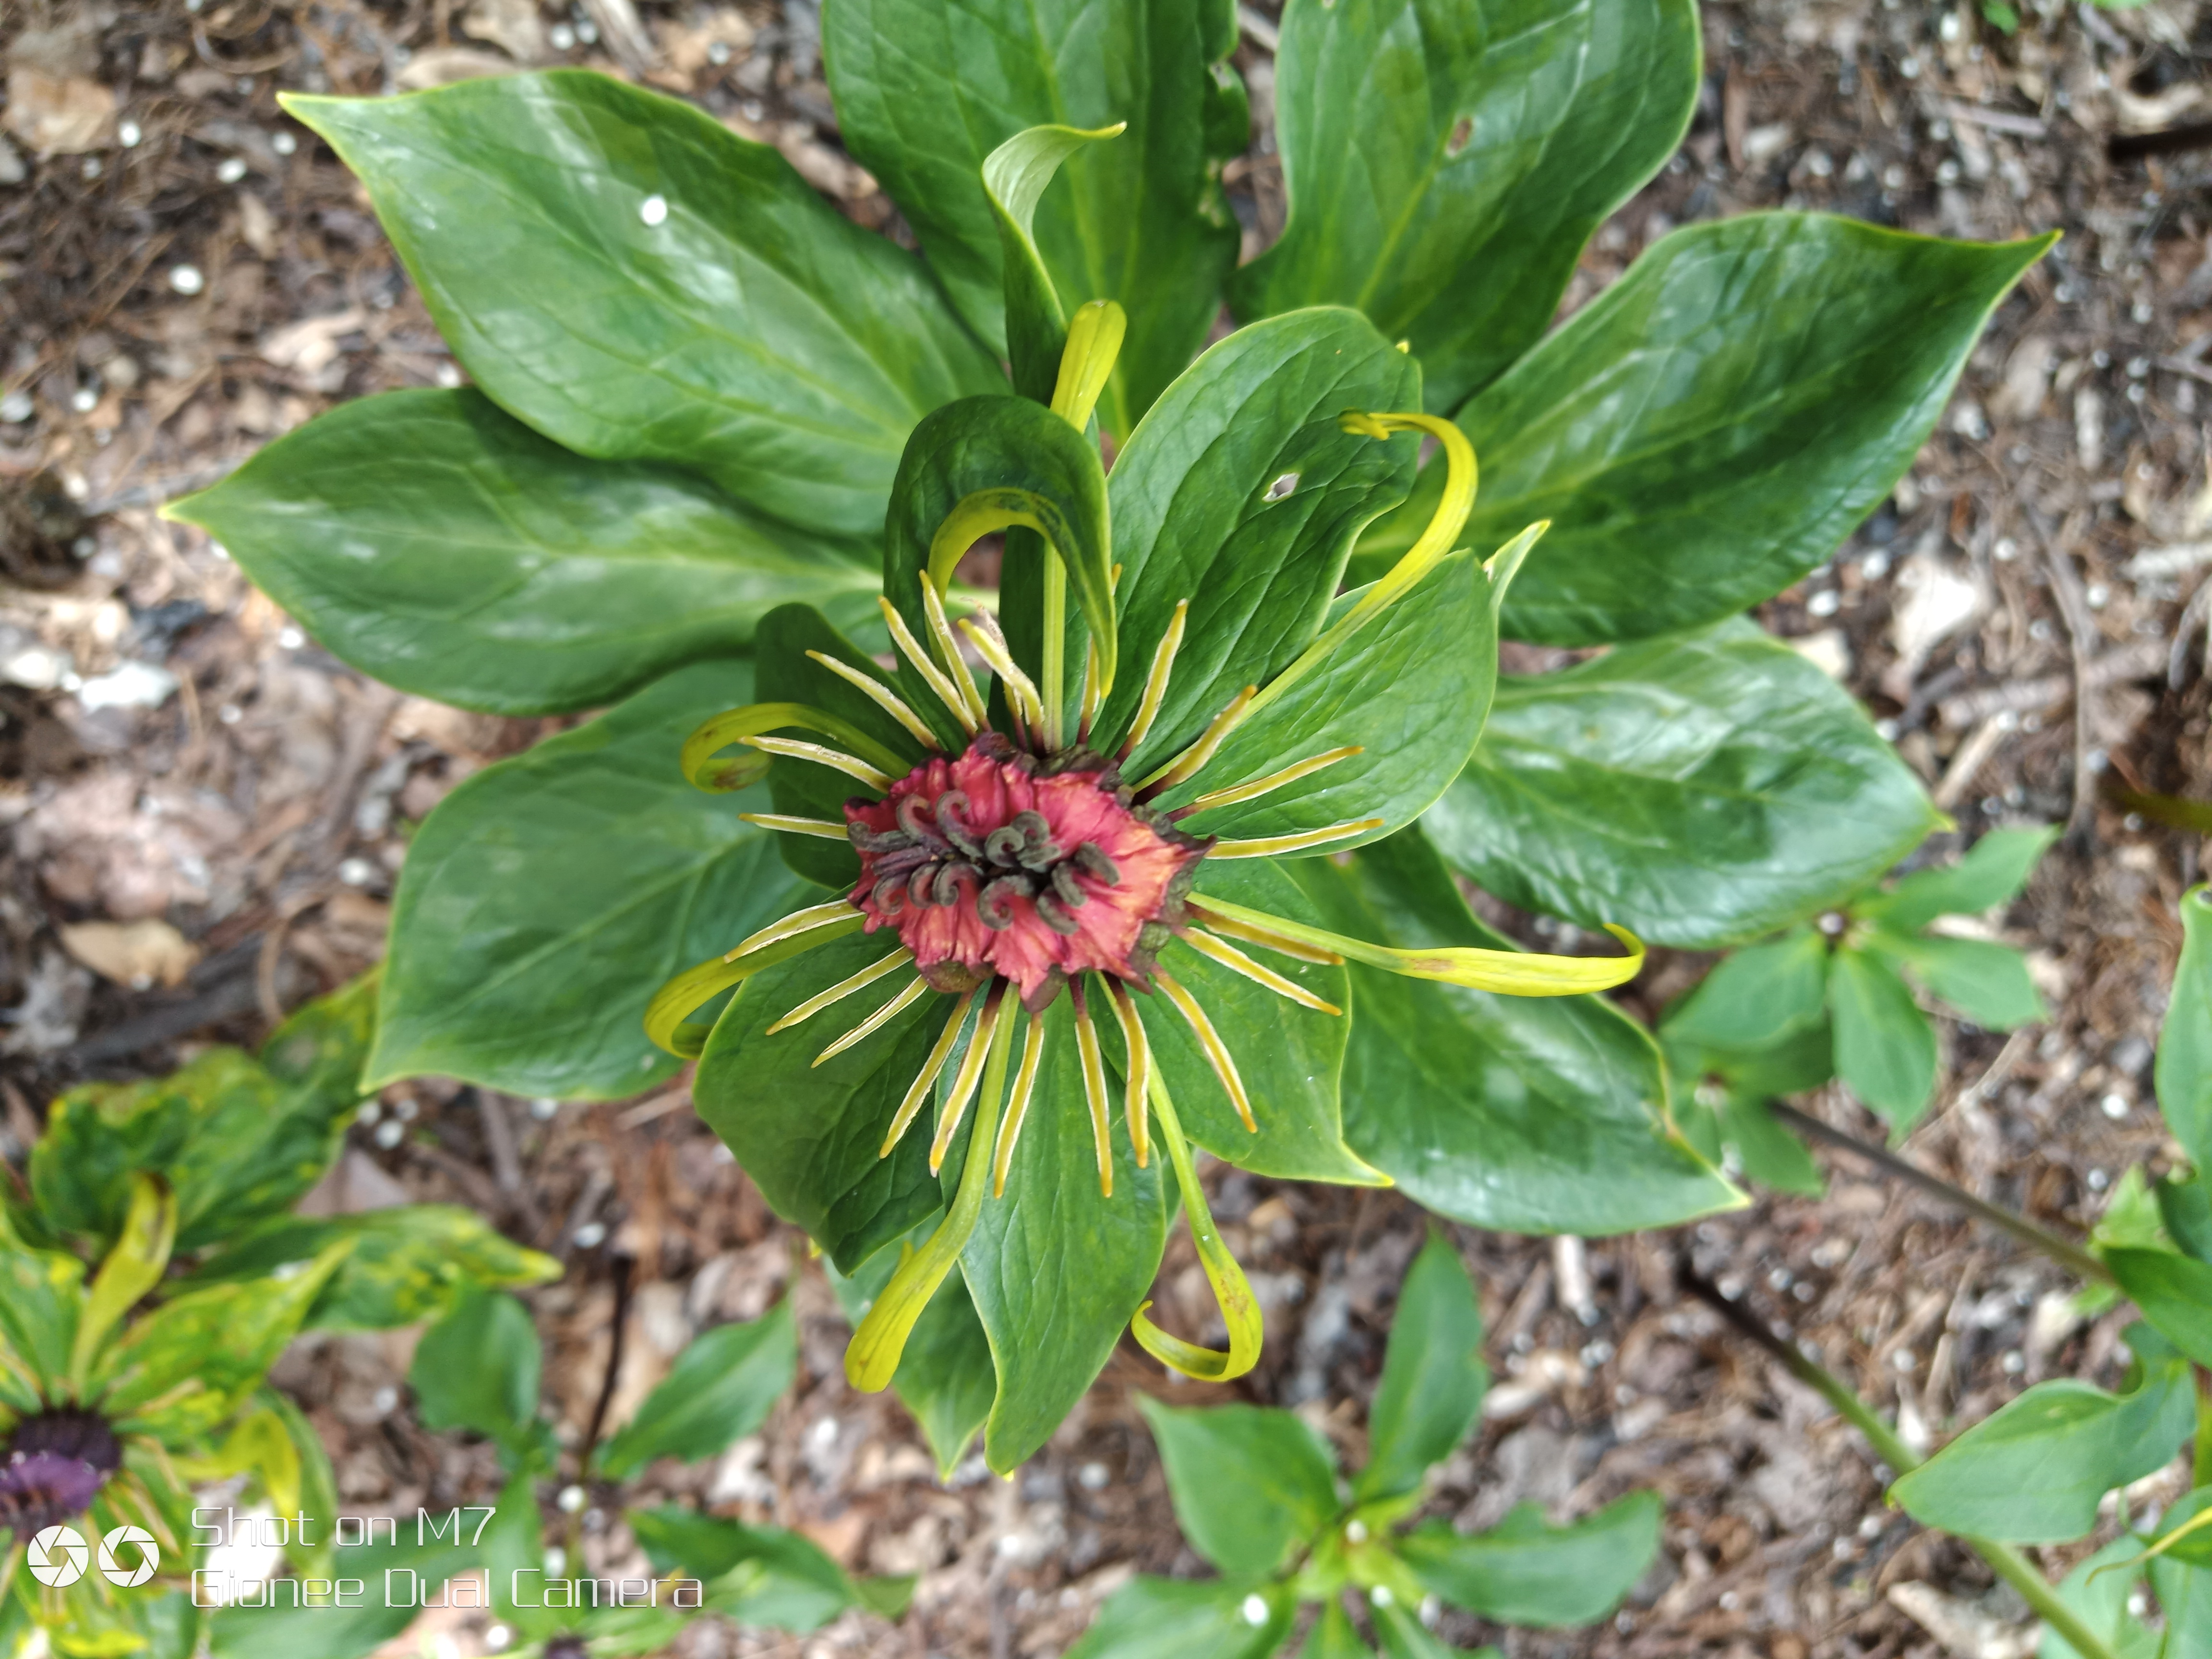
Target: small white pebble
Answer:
[[1730, 1600], [498, 1637], [230, 713], [1824, 603], [588, 31], [449, 375], [2115, 1106], [1904, 1360], [2013, 1363], [717, 52], [129, 134], [571, 1500], [1909, 67], [2006, 549], [1356, 1533], [2099, 1180], [389, 1134], [1887, 729], [290, 638], [1874, 566], [545, 1110], [591, 1235], [84, 400], [1093, 1477], [16, 407], [559, 37], [2137, 368], [186, 279], [1381, 1596], [654, 209], [356, 872], [232, 170], [1255, 1611], [406, 1108], [2136, 394], [2099, 596], [93, 166], [384, 1400], [285, 143], [1947, 173], [367, 1112], [1870, 1526], [557, 1561]]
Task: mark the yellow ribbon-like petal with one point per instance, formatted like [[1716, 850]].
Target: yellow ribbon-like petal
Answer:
[[1232, 1292], [1511, 973], [692, 990], [732, 725]]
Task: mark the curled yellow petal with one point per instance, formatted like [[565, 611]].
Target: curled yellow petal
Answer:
[[1232, 1292], [1510, 973], [734, 725], [694, 988], [872, 1359]]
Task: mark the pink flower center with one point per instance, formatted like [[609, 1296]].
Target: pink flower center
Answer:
[[998, 863]]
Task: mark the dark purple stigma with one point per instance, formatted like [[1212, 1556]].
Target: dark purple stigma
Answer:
[[53, 1467]]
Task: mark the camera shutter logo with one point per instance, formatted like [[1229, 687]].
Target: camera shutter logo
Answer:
[[111, 1559], [57, 1557]]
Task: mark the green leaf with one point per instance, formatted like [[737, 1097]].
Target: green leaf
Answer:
[[1433, 1377], [1992, 873], [1289, 1058], [1446, 162], [1250, 1485], [2184, 1073], [815, 1155], [1193, 518], [2097, 1591], [2034, 1473], [478, 1369], [1885, 1046], [1697, 790], [1333, 1636], [2183, 1579], [2186, 1207], [1404, 1637], [1527, 1114], [1056, 1267], [945, 1377], [720, 1389], [1987, 983], [41, 1299], [750, 331], [133, 1267], [434, 542], [928, 89], [186, 1367], [1754, 996], [549, 895], [2174, 1292], [353, 1632], [405, 1265], [1523, 1572], [1409, 691], [758, 1576], [1015, 176], [1002, 461], [1706, 430], [1152, 1617]]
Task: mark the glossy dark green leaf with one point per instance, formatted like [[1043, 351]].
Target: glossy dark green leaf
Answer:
[[1241, 494], [926, 89], [404, 1266], [1289, 1058], [945, 1377], [1152, 1617], [478, 1369], [1885, 1048], [1056, 1267], [548, 898], [184, 1368], [2035, 1472], [2174, 1292], [2186, 1207], [1433, 1377], [1697, 790], [1993, 872], [1527, 1114], [1987, 983], [1525, 1572], [1030, 461], [1706, 430], [1757, 995], [2183, 1074], [1015, 177], [815, 1155], [621, 271], [1410, 691], [439, 545], [1252, 1486], [720, 1389], [1445, 162]]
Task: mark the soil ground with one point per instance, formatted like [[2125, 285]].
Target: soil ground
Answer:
[[184, 274]]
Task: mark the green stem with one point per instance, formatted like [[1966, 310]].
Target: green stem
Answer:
[[1055, 642], [2072, 1257], [2201, 1473], [2008, 1562]]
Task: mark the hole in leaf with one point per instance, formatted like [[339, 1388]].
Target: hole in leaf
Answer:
[[1462, 134], [1282, 487]]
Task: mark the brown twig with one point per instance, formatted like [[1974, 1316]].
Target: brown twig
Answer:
[[2083, 639], [622, 1266]]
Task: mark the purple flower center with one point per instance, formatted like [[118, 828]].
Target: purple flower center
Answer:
[[53, 1467]]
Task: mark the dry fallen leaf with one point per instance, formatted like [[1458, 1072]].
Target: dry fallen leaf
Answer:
[[56, 116], [133, 953]]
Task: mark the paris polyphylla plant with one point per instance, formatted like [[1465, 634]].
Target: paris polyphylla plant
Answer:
[[1012, 847]]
